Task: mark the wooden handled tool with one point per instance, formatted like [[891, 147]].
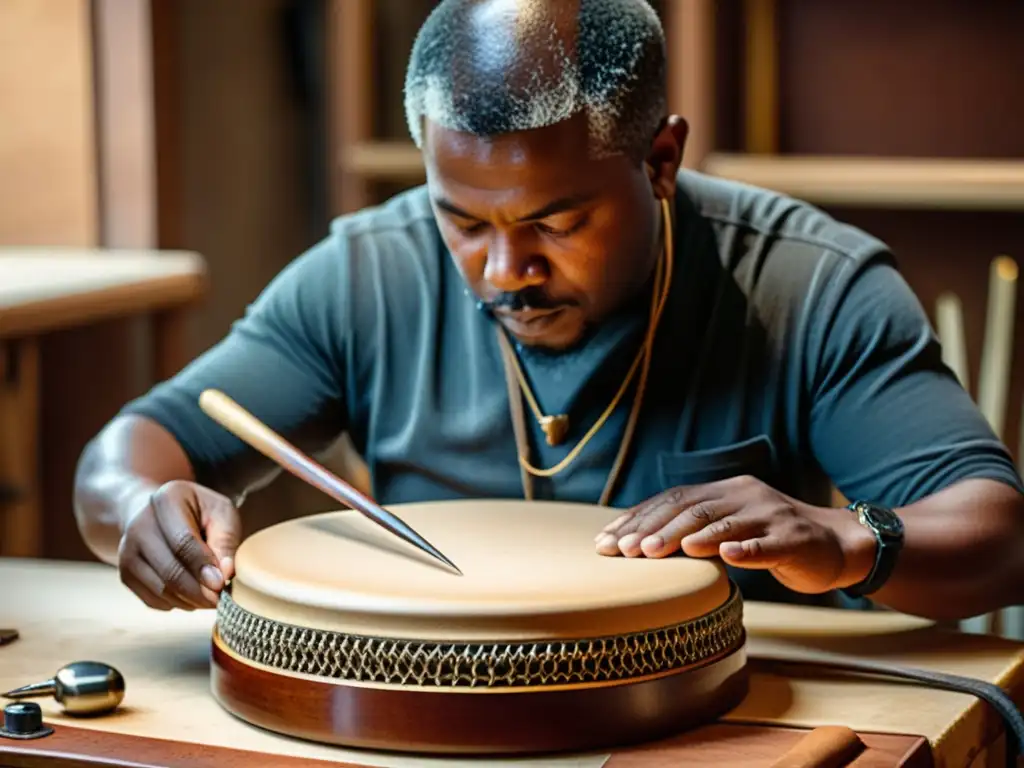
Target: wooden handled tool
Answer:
[[255, 433], [830, 746]]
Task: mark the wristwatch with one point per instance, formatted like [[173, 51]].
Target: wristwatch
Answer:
[[888, 530]]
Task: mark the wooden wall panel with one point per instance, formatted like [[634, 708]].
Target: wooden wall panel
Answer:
[[884, 78], [898, 77], [244, 204], [77, 167], [50, 196], [242, 195], [79, 392], [127, 137], [729, 106], [47, 161]]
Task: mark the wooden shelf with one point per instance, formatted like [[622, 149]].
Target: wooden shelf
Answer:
[[881, 182], [853, 181], [383, 160]]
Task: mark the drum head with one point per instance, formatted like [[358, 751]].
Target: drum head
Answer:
[[530, 570]]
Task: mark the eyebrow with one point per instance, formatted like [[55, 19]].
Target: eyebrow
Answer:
[[560, 205]]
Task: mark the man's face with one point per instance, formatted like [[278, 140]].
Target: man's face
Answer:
[[550, 238]]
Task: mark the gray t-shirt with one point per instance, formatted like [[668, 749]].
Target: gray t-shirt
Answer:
[[790, 349]]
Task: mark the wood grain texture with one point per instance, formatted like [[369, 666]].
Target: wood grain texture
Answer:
[[78, 610], [761, 83], [71, 747], [170, 342], [47, 289], [20, 515], [755, 746], [572, 718], [47, 137], [690, 39], [828, 746], [726, 746], [894, 183], [126, 120], [951, 78]]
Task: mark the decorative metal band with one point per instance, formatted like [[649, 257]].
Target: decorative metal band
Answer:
[[345, 657]]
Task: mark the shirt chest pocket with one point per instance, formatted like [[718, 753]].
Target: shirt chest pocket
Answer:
[[755, 457]]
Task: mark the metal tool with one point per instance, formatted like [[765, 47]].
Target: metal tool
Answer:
[[82, 688], [252, 431]]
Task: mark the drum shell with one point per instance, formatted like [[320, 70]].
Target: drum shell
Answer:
[[427, 720]]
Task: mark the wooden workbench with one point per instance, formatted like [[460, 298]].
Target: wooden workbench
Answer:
[[43, 290], [67, 612]]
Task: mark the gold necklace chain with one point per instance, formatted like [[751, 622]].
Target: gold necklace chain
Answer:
[[662, 285]]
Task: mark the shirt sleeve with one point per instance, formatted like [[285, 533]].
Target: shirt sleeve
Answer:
[[889, 421], [283, 361]]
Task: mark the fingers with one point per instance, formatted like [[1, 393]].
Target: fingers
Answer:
[[163, 557], [764, 552], [141, 579], [180, 555], [665, 539], [223, 531], [743, 521], [618, 522], [725, 525], [698, 529], [624, 535], [174, 575]]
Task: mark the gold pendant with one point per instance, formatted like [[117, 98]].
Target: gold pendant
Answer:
[[555, 427]]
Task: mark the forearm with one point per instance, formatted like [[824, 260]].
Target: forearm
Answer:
[[119, 469], [963, 553]]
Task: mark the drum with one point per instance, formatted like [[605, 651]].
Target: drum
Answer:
[[336, 631]]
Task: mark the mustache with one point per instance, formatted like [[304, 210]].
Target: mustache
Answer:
[[532, 297]]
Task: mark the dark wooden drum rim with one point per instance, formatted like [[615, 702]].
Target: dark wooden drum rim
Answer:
[[461, 721]]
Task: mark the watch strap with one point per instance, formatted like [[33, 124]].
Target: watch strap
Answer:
[[886, 550]]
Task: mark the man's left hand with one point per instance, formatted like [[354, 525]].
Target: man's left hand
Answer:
[[749, 525]]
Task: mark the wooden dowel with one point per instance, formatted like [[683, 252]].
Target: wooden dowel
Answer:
[[997, 352], [994, 380], [949, 325], [690, 32], [830, 746], [762, 77]]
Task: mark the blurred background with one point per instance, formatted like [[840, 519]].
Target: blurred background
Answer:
[[137, 132]]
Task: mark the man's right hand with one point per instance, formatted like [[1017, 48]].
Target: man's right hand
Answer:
[[178, 550]]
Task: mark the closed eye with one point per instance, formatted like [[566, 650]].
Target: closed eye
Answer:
[[548, 229], [470, 229]]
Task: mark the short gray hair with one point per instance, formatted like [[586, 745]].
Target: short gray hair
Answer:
[[489, 67]]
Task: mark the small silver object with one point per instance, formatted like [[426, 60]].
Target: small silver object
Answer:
[[82, 688]]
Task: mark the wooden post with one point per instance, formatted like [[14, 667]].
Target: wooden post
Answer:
[[690, 36], [21, 532], [350, 77], [170, 343], [762, 77]]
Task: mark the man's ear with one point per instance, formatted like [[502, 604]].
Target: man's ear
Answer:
[[666, 155]]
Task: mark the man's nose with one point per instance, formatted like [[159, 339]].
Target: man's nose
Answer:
[[513, 264]]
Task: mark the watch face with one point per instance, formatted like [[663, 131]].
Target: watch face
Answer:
[[887, 523]]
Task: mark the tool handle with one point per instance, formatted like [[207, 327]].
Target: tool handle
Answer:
[[251, 430], [255, 433], [829, 746]]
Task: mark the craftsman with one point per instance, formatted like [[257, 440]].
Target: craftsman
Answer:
[[712, 374]]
